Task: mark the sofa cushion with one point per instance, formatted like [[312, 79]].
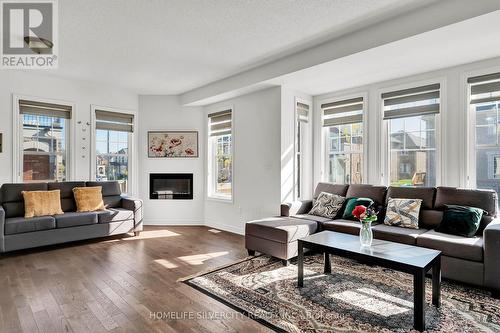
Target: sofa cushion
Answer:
[[327, 205], [12, 198], [281, 229], [426, 194], [72, 219], [19, 225], [114, 215], [345, 226], [67, 199], [430, 218], [319, 219], [337, 189], [453, 246], [460, 220], [403, 212], [397, 234], [109, 188], [376, 193]]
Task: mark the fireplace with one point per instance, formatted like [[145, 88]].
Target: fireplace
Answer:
[[170, 186]]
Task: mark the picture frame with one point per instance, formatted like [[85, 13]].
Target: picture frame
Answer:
[[173, 144]]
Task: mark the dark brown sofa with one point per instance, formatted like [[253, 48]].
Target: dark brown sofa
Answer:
[[473, 260]]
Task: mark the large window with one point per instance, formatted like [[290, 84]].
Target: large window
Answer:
[[301, 126], [220, 155], [343, 128], [113, 141], [45, 133], [485, 106], [411, 116]]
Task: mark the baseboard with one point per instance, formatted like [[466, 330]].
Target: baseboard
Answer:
[[225, 227], [173, 222]]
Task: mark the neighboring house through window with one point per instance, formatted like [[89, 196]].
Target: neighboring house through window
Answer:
[[220, 155], [343, 128], [45, 141]]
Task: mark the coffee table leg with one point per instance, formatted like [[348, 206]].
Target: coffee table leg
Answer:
[[419, 301], [300, 264], [328, 264], [436, 283]]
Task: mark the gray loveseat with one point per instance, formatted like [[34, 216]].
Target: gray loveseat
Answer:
[[473, 260], [122, 215]]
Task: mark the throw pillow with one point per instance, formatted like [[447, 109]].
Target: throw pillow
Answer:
[[403, 212], [88, 199], [40, 203], [352, 203], [460, 220], [327, 205]]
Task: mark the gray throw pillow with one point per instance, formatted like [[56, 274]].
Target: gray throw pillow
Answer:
[[403, 213], [327, 205]]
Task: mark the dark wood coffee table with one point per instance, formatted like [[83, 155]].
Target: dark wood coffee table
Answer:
[[400, 257]]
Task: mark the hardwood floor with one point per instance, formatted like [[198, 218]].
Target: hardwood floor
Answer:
[[120, 284]]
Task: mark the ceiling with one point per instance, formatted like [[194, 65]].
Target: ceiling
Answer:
[[170, 47], [452, 45]]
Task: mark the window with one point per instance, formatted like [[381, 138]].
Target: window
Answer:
[[220, 155], [343, 128], [113, 139], [411, 116], [485, 115], [302, 120], [45, 133]]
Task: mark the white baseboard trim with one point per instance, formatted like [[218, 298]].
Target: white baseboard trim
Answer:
[[173, 222], [225, 227]]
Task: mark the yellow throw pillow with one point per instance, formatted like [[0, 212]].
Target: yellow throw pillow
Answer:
[[88, 199], [40, 203]]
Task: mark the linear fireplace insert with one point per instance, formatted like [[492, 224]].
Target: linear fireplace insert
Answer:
[[170, 186]]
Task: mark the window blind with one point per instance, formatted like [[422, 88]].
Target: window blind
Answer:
[[45, 109], [302, 112], [412, 102], [220, 123], [114, 121], [346, 111], [484, 88]]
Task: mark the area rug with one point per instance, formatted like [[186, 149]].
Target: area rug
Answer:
[[354, 298]]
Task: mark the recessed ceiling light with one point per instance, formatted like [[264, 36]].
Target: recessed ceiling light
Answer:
[[39, 45]]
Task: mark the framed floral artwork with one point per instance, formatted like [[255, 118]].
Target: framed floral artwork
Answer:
[[172, 144]]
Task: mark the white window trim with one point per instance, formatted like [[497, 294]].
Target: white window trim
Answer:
[[306, 150], [17, 137], [209, 165], [468, 171], [440, 130], [132, 155], [323, 133]]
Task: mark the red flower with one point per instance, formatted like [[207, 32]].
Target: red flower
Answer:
[[358, 211], [189, 151]]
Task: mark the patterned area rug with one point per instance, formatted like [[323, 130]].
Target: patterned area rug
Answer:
[[354, 298]]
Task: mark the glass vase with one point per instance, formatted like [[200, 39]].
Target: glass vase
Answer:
[[365, 233]]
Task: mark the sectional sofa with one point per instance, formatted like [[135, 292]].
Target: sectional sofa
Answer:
[[122, 215], [473, 260]]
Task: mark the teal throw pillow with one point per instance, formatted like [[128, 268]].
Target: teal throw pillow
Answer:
[[460, 220], [352, 203]]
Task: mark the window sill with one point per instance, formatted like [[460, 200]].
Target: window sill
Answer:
[[220, 199]]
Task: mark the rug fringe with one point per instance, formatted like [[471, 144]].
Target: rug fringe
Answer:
[[211, 270]]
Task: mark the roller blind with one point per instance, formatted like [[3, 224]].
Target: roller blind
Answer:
[[45, 109], [484, 88], [302, 112], [346, 111], [220, 123], [412, 102], [114, 121]]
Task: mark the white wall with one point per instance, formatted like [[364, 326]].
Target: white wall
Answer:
[[82, 94], [166, 113], [454, 130], [257, 165], [288, 124]]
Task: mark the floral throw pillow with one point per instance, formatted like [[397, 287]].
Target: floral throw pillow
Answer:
[[327, 205], [403, 213]]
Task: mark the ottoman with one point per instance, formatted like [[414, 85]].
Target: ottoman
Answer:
[[277, 236]]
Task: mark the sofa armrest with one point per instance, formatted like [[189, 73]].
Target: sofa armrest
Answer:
[[296, 207], [134, 205], [491, 239], [2, 229]]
